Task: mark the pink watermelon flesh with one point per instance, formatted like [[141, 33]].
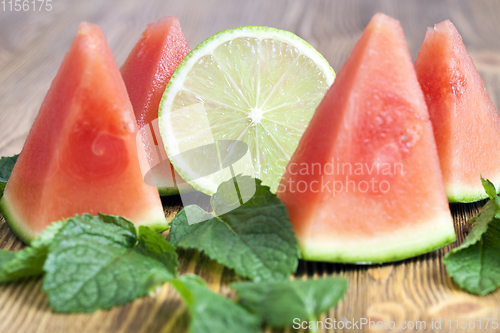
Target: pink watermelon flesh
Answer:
[[373, 118], [80, 155], [465, 121], [146, 72]]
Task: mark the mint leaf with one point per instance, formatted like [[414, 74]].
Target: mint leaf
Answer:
[[211, 312], [475, 264], [227, 198], [99, 262], [492, 193], [279, 303], [30, 260], [116, 220], [489, 188], [154, 245], [6, 256], [6, 166], [255, 239]]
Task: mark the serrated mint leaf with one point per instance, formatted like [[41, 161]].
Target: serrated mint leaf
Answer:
[[6, 166], [279, 303], [475, 264], [30, 260], [255, 239], [481, 223], [93, 264], [87, 226], [231, 194], [489, 188], [154, 245], [119, 221], [211, 312]]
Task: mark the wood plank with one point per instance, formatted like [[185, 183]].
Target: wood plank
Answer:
[[33, 44]]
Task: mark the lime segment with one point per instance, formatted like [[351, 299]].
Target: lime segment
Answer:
[[257, 85]]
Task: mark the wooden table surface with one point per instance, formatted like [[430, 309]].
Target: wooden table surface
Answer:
[[32, 45]]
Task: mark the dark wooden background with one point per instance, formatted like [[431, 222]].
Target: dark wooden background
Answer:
[[32, 45]]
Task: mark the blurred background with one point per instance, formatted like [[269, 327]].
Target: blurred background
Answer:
[[33, 42]]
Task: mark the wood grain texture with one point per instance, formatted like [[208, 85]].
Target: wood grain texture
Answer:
[[33, 44]]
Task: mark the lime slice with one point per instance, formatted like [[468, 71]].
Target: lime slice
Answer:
[[257, 85]]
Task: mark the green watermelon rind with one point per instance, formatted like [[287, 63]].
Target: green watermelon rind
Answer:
[[168, 191], [465, 196], [365, 254], [157, 224], [21, 231], [175, 190], [457, 193]]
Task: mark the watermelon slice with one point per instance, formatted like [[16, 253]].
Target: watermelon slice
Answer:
[[80, 155], [364, 185], [146, 72], [465, 121]]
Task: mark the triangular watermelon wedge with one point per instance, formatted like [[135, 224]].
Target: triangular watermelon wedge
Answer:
[[146, 72], [465, 121], [80, 155], [364, 185]]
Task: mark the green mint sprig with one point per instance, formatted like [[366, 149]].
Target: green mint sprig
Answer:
[[475, 264], [99, 262], [279, 303], [28, 261], [211, 312], [93, 262], [255, 239]]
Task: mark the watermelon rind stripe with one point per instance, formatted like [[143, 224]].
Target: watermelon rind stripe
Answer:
[[460, 193], [168, 191], [156, 222], [175, 190], [396, 245], [24, 233]]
